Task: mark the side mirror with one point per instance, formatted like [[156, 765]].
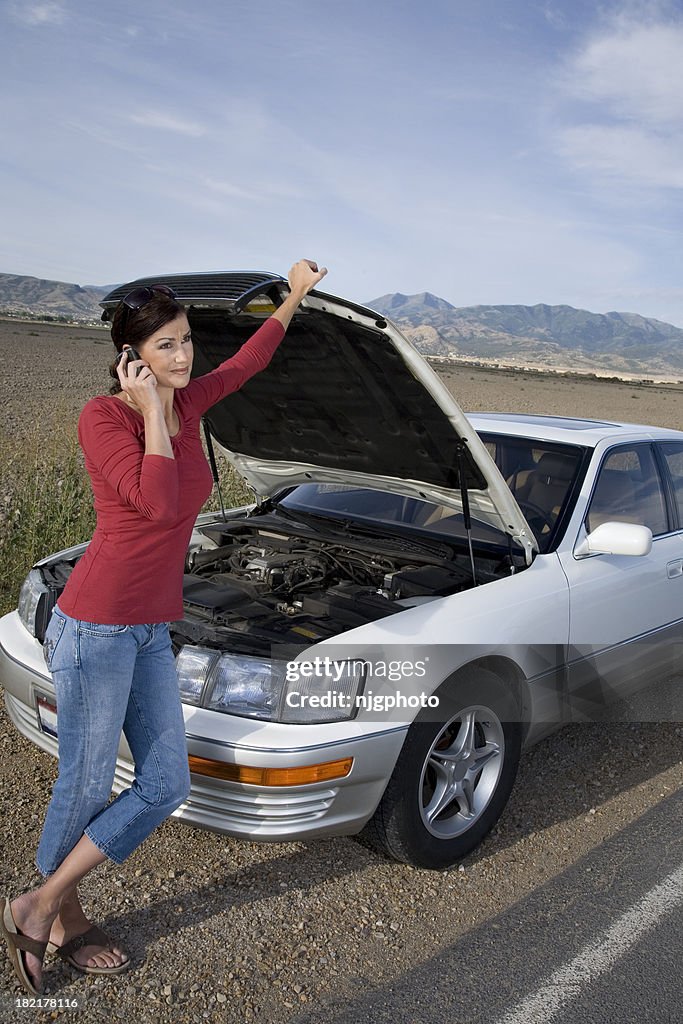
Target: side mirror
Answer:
[[616, 539]]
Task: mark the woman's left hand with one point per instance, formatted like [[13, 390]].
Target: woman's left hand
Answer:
[[303, 276]]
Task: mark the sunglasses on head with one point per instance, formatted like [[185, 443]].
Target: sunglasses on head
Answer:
[[141, 296]]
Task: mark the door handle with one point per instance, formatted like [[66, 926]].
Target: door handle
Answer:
[[674, 568]]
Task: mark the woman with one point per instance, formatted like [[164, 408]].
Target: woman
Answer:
[[107, 644]]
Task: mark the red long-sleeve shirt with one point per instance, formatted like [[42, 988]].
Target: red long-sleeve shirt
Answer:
[[146, 505]]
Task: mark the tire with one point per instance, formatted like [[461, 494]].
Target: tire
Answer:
[[436, 809]]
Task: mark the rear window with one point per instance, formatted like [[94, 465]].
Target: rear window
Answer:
[[673, 454]]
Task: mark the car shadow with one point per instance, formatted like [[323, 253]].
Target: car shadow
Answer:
[[486, 973]]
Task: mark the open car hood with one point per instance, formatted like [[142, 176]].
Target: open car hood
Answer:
[[345, 399]]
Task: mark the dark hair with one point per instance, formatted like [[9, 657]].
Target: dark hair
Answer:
[[135, 326]]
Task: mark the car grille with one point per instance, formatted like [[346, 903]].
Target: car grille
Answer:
[[223, 804]]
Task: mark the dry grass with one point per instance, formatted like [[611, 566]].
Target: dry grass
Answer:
[[45, 503]]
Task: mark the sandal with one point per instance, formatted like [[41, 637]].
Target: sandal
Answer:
[[17, 943], [93, 937]]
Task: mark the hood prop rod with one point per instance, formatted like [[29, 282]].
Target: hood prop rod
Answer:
[[214, 467], [466, 517]]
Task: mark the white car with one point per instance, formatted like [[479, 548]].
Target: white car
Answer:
[[415, 596]]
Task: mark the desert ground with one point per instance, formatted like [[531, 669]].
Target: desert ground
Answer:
[[50, 366]]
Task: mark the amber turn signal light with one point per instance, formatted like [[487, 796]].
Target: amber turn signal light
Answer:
[[271, 776]]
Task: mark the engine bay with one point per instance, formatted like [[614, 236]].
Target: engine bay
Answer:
[[262, 582]]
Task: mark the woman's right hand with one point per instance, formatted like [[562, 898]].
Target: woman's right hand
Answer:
[[140, 386]]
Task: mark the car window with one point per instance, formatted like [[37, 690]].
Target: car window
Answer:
[[673, 455], [629, 490]]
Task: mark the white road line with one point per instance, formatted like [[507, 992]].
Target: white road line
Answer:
[[567, 982]]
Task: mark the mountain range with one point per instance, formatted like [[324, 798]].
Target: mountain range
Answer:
[[541, 336], [37, 298]]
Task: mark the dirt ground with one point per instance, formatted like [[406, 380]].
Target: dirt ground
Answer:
[[49, 365], [478, 390]]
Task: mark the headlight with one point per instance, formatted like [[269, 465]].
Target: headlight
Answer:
[[275, 691], [322, 690], [33, 604], [234, 683], [241, 685], [193, 665]]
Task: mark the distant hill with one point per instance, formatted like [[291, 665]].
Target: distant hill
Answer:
[[31, 296], [418, 306], [541, 335]]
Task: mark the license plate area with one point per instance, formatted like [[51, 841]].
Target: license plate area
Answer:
[[46, 709]]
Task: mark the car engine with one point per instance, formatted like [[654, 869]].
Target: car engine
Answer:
[[265, 584]]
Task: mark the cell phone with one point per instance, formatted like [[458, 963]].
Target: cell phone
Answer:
[[130, 354]]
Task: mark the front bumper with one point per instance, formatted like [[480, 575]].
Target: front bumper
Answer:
[[255, 812]]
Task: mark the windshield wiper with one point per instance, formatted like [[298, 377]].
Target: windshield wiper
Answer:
[[391, 539], [331, 527], [270, 505]]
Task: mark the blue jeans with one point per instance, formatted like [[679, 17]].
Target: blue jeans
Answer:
[[108, 679]]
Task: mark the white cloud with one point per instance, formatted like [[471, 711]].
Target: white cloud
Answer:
[[262, 191], [628, 78], [168, 123], [626, 153], [227, 188], [635, 71], [554, 15], [48, 13]]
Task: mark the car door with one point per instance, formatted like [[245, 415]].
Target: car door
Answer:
[[625, 611]]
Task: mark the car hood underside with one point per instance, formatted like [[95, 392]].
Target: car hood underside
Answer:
[[345, 399]]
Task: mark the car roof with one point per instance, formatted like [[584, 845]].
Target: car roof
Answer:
[[567, 429]]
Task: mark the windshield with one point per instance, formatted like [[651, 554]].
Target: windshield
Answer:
[[542, 477]]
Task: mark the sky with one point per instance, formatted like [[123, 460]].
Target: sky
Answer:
[[488, 151]]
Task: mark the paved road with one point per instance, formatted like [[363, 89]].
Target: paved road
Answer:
[[601, 942]]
